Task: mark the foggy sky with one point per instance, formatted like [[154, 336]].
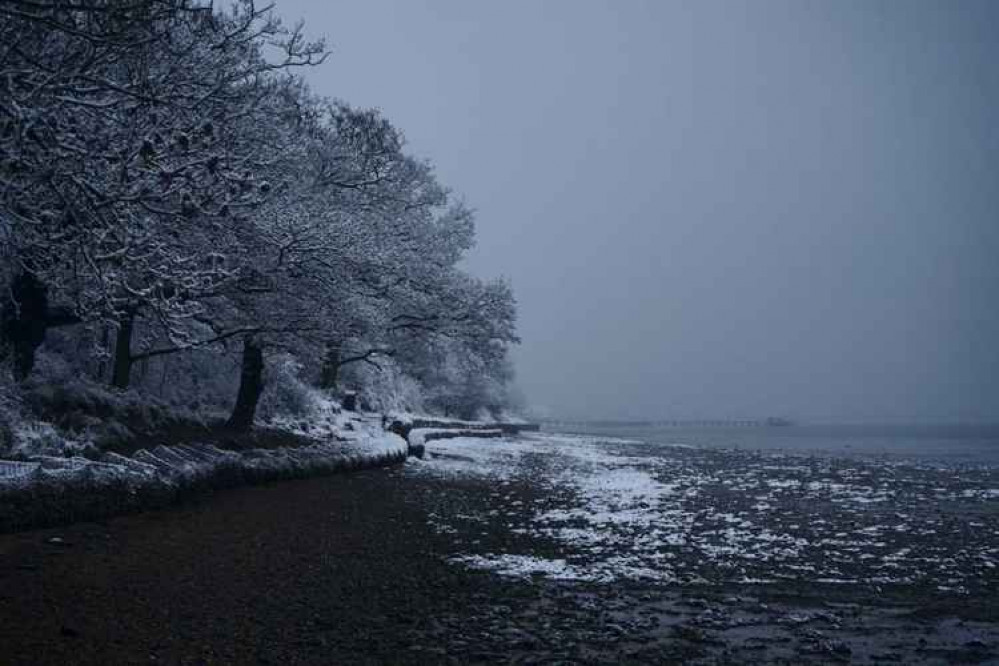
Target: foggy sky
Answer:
[[712, 208]]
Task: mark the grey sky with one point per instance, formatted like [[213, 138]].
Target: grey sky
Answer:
[[712, 208]]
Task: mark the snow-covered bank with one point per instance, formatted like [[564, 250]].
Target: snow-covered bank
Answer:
[[418, 437], [420, 429], [619, 509], [49, 490]]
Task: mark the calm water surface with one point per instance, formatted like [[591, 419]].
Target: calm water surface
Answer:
[[951, 443]]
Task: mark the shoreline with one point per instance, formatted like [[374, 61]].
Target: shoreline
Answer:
[[51, 491], [372, 567], [48, 491], [744, 555]]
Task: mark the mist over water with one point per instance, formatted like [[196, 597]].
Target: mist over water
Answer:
[[972, 444], [713, 208]]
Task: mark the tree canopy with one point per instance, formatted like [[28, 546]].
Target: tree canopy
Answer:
[[170, 188]]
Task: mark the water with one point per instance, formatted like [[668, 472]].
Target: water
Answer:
[[949, 443]]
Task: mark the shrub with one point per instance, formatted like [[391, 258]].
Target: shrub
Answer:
[[286, 393]]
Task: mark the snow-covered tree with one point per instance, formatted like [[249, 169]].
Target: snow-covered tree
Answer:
[[168, 182], [132, 137]]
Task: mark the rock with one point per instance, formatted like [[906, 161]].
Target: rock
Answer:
[[692, 634]]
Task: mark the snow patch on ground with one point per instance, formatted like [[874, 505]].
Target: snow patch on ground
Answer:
[[364, 443], [632, 511], [524, 566]]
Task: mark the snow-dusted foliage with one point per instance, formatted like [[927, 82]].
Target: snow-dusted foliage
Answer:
[[288, 394], [133, 139], [386, 388], [10, 410], [183, 219]]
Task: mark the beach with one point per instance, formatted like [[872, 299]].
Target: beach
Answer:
[[537, 549], [741, 555]]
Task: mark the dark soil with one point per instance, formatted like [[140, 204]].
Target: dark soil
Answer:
[[317, 571]]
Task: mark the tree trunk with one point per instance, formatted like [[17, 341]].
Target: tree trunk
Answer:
[[24, 322], [26, 317], [331, 367], [122, 369], [251, 386], [164, 367]]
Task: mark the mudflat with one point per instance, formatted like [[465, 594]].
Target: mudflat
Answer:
[[317, 571], [374, 567]]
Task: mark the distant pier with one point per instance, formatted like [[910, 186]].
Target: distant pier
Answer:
[[771, 422]]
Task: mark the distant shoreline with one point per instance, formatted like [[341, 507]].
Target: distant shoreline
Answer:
[[755, 422], [949, 444]]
